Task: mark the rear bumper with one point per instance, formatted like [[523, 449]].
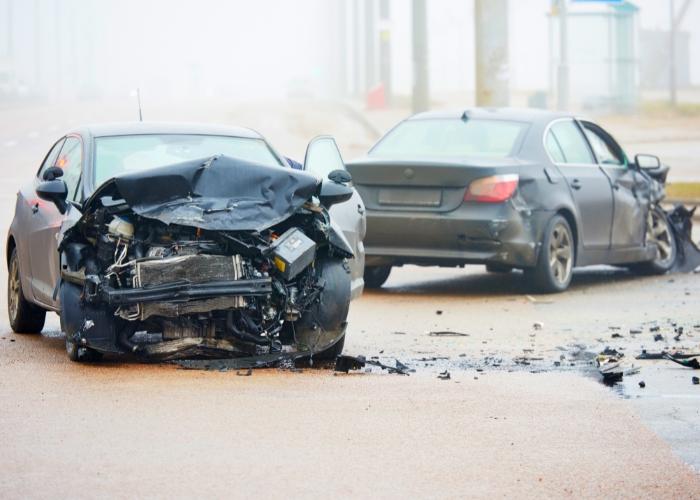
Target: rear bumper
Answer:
[[475, 233]]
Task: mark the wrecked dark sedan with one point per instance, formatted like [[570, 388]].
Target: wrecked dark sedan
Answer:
[[527, 189], [173, 241]]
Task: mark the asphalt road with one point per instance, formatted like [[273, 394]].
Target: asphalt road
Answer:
[[522, 414]]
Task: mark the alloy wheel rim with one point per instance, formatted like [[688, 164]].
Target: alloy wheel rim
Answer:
[[659, 233], [13, 292], [560, 253]]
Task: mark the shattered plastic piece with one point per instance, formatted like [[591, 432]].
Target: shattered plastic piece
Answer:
[[444, 375], [635, 331], [617, 336], [654, 328], [658, 338], [346, 363], [538, 325], [696, 381], [448, 333], [688, 258], [438, 312], [688, 363], [642, 384], [663, 355]]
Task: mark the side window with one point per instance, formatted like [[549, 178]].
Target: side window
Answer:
[[554, 149], [604, 150], [572, 143], [50, 160], [71, 161]]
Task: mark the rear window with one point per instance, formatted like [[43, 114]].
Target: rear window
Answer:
[[128, 153], [451, 137]]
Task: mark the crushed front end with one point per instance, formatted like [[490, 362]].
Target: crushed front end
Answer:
[[176, 277]]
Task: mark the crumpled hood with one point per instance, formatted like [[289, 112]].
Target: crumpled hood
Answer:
[[218, 193]]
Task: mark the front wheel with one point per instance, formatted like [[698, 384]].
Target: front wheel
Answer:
[[376, 276], [552, 273], [24, 316], [659, 233]]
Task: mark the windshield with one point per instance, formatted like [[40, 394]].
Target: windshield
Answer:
[[451, 137], [128, 153]]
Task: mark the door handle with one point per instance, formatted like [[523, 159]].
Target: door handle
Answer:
[[576, 184], [35, 208]]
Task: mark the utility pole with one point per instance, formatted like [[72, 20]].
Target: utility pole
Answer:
[[563, 69], [491, 30], [370, 69], [672, 55], [421, 92], [385, 48]]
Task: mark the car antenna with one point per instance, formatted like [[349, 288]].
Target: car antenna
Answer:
[[138, 98]]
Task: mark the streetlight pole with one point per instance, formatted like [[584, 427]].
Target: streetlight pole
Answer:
[[420, 57], [563, 69]]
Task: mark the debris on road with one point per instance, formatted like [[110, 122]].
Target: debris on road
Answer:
[[688, 363], [658, 338], [688, 259], [662, 355], [696, 381], [344, 363], [246, 373], [642, 384], [617, 336], [609, 367], [444, 375], [538, 325], [447, 333], [438, 312], [635, 331]]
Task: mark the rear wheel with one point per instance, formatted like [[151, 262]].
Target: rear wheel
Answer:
[[376, 276], [552, 273], [24, 316], [659, 233]]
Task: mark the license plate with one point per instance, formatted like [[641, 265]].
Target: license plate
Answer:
[[411, 197]]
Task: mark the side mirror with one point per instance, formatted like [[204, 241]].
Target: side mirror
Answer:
[[52, 173], [647, 162], [54, 191], [341, 176], [333, 193]]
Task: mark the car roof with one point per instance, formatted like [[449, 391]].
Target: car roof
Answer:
[[136, 128], [531, 115]]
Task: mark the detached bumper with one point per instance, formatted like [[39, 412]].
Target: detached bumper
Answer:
[[475, 233]]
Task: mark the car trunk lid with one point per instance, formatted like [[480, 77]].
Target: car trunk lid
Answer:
[[422, 185]]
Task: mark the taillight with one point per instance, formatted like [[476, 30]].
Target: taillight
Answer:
[[493, 189]]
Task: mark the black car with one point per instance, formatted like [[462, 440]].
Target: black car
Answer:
[[528, 189]]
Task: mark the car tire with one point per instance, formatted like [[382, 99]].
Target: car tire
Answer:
[[659, 232], [332, 352], [376, 276], [24, 316], [498, 268], [552, 273]]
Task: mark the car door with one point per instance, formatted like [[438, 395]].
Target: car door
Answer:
[[46, 221], [589, 186], [33, 215], [630, 202], [322, 157]]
